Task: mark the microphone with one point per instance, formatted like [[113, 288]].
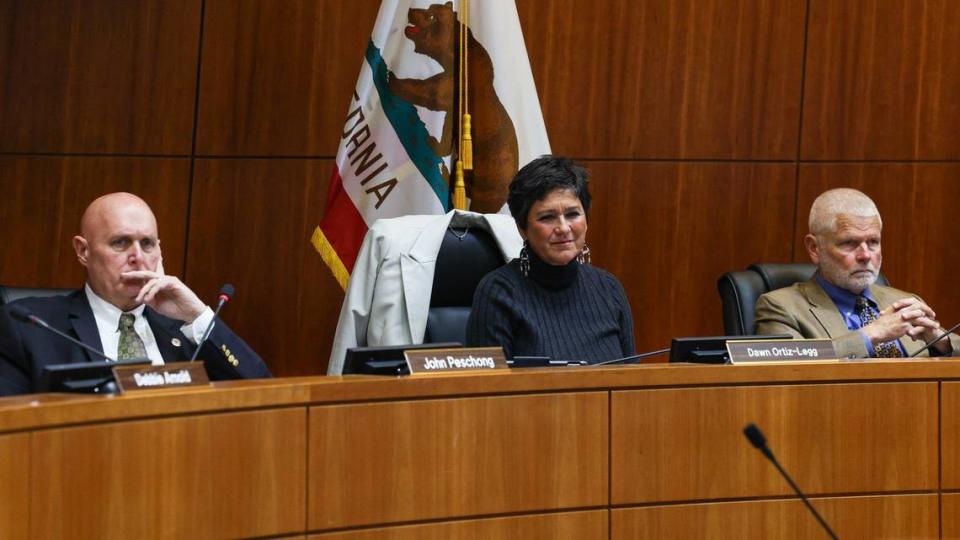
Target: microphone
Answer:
[[627, 359], [932, 343], [23, 314], [225, 295], [756, 438]]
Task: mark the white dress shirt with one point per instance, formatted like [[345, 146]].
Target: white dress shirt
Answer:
[[107, 316]]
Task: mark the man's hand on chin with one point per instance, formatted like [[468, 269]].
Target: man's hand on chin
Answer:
[[167, 295]]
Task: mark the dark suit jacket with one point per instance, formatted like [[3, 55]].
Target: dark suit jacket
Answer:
[[805, 310], [25, 349]]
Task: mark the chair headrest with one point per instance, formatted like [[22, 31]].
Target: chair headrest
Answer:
[[9, 294], [466, 255], [779, 275]]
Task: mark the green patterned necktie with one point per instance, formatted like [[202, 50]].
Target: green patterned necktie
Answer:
[[131, 346]]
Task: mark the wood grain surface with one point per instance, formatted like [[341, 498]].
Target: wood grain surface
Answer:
[[44, 197], [825, 436], [950, 515], [102, 76], [278, 76], [14, 488], [916, 202], [250, 226], [950, 435], [213, 476], [897, 516], [679, 79], [668, 231], [883, 80], [562, 526], [706, 122], [403, 461]]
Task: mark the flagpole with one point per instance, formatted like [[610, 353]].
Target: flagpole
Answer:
[[464, 138]]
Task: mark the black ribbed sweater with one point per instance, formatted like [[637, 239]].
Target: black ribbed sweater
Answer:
[[572, 312]]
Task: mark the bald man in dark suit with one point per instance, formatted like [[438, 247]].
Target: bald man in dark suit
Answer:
[[128, 308]]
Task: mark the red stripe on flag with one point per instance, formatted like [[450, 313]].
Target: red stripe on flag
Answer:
[[342, 224]]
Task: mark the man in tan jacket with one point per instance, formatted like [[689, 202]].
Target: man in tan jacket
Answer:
[[841, 301]]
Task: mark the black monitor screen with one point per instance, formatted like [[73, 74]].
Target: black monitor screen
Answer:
[[82, 377], [708, 350], [385, 360]]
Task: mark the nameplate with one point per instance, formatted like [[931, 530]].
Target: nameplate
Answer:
[[444, 360], [770, 351], [173, 375]]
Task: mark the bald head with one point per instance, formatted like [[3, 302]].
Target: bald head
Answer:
[[839, 203], [118, 233], [112, 207]]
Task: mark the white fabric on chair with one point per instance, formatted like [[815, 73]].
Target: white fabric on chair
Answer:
[[388, 297]]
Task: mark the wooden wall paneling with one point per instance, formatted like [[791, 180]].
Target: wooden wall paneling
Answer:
[[917, 204], [277, 77], [15, 487], [883, 80], [44, 197], [98, 75], [250, 225], [211, 476], [562, 526], [680, 79], [900, 516], [456, 457], [950, 515], [950, 436], [823, 435], [669, 230]]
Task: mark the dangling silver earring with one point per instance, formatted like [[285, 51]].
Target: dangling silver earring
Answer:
[[584, 256], [524, 260]]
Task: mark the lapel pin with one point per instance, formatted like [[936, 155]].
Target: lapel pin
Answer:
[[175, 342]]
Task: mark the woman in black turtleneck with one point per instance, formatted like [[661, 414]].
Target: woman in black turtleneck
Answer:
[[550, 301]]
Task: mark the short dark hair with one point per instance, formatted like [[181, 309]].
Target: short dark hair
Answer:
[[541, 177]]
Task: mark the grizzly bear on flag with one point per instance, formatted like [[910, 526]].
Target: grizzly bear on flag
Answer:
[[434, 32]]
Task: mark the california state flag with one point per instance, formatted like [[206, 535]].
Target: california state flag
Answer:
[[401, 137]]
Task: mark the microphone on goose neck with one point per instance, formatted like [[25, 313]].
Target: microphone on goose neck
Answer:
[[225, 295], [756, 438], [23, 314]]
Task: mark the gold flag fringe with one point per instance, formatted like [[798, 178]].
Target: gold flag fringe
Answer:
[[330, 257], [466, 155]]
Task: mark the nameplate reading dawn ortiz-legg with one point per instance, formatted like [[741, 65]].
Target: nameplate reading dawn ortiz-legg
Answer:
[[766, 351], [443, 360]]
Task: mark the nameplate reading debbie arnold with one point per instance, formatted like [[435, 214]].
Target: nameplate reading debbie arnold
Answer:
[[440, 360], [769, 351], [166, 376]]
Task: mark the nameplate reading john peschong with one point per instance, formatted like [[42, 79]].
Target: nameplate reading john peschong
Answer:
[[173, 375], [770, 351], [444, 360]]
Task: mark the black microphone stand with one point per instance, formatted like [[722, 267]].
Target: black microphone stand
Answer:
[[757, 439]]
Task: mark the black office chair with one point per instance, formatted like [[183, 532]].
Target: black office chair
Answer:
[[739, 291], [465, 256], [9, 294]]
